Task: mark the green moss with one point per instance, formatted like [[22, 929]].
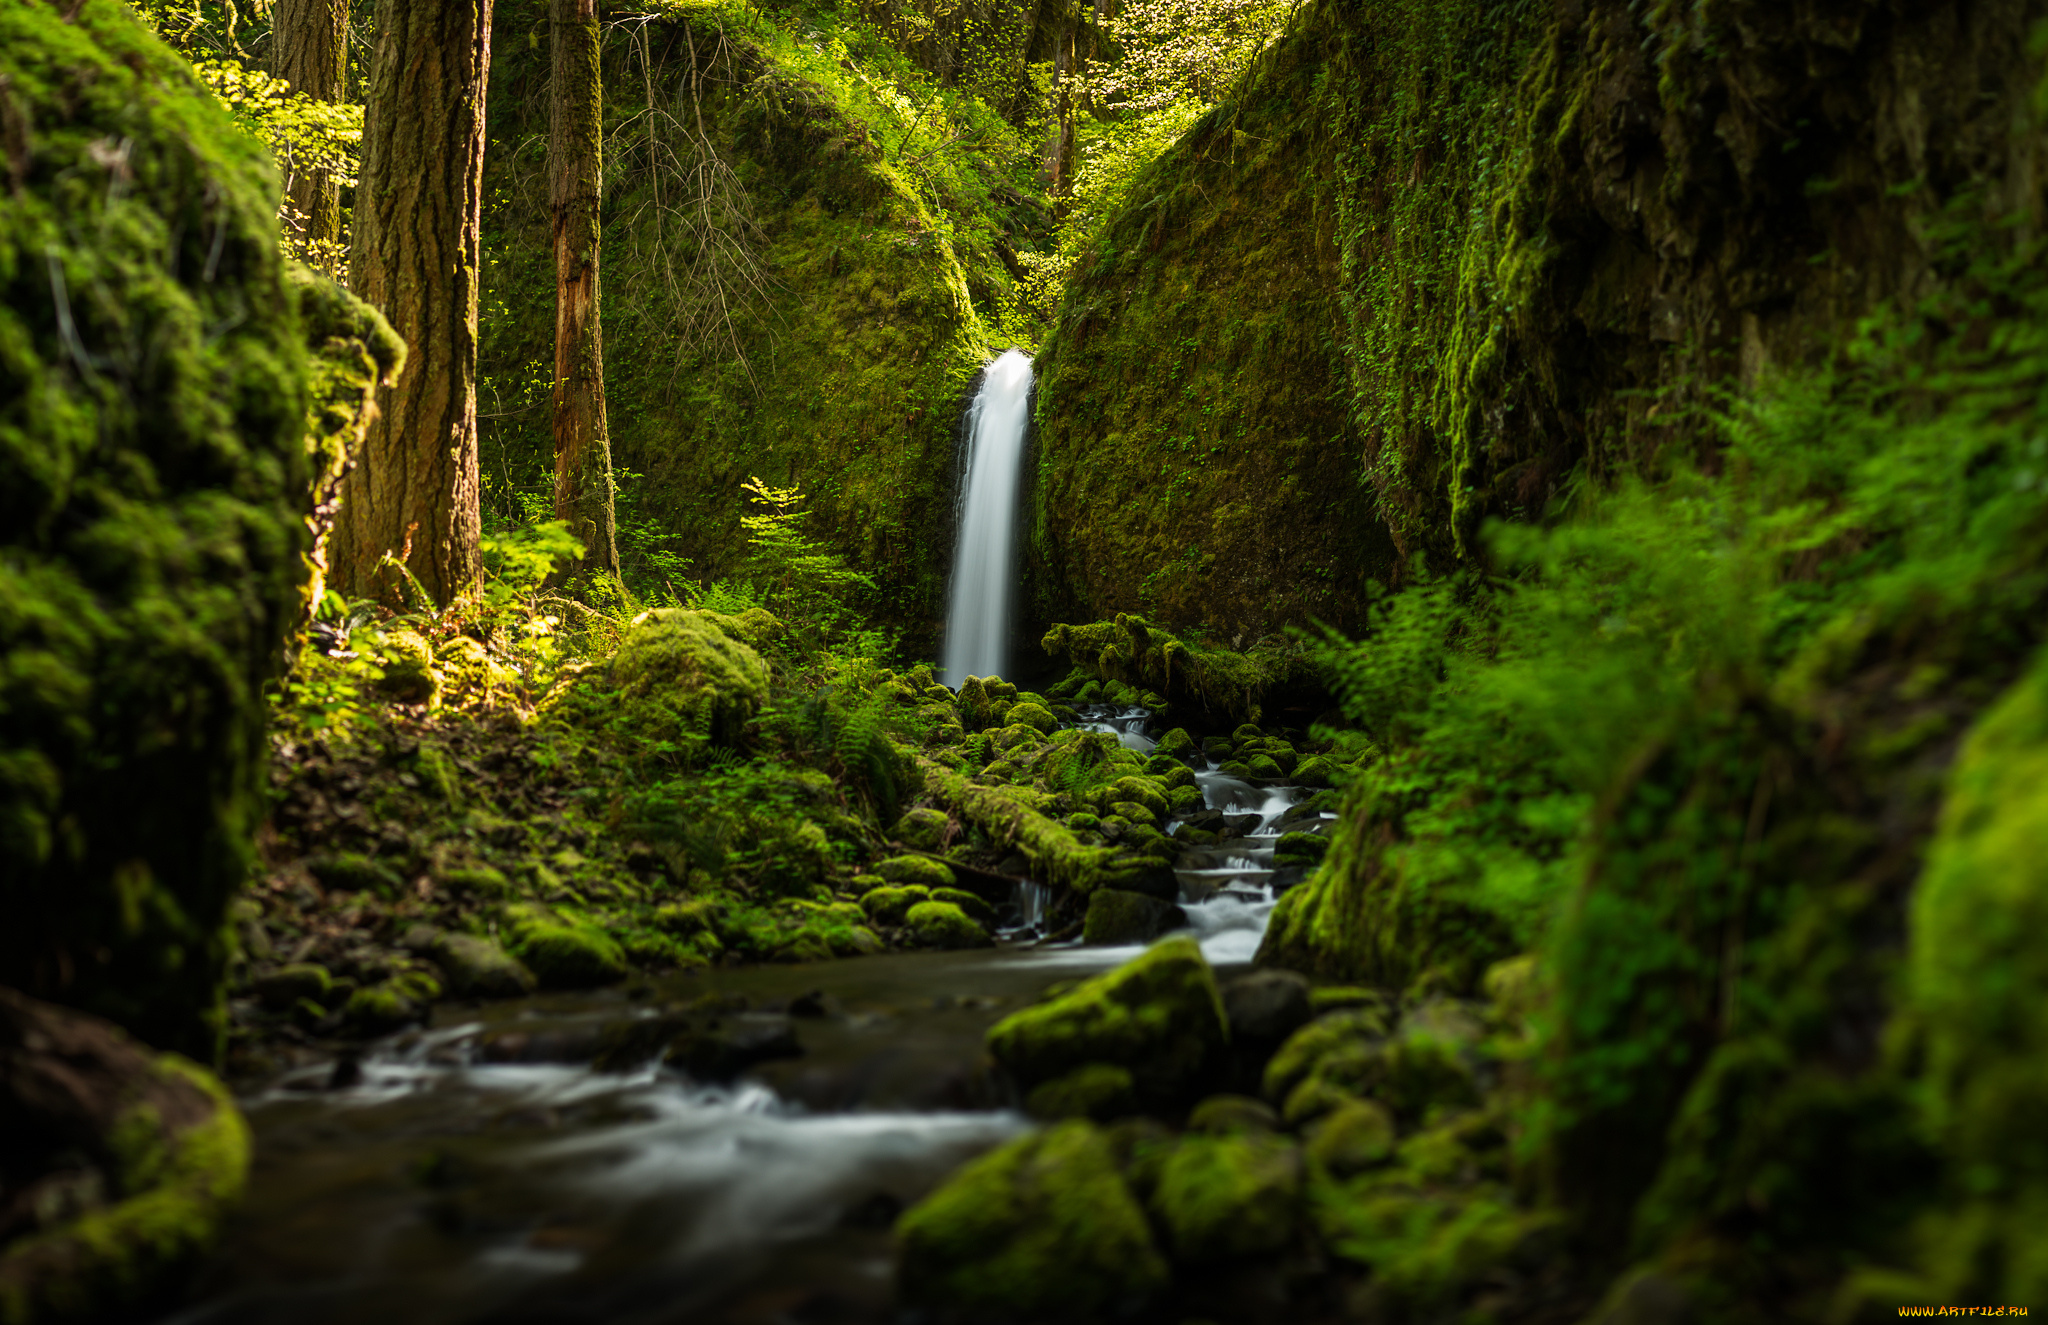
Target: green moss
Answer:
[[1034, 716], [891, 905], [1223, 1198], [177, 1188], [1041, 1228], [152, 472], [1158, 1015], [1117, 917], [562, 954], [1183, 668], [944, 925], [284, 987], [353, 872], [923, 827], [1101, 1091], [477, 967], [978, 910], [678, 677], [1355, 1136], [919, 871]]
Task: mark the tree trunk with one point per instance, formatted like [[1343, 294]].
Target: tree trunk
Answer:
[[309, 50], [1059, 144], [583, 447], [415, 253]]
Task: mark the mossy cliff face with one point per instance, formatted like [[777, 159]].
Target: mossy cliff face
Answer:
[[1195, 462], [857, 319], [1460, 252], [152, 415]]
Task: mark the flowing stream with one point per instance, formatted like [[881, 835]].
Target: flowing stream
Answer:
[[978, 614], [482, 1170]]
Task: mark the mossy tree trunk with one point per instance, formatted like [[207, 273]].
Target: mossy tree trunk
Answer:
[[309, 50], [583, 449], [415, 253], [1060, 139]]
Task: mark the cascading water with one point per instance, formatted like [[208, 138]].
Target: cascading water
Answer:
[[978, 617]]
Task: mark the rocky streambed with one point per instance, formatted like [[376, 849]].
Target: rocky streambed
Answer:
[[727, 1144]]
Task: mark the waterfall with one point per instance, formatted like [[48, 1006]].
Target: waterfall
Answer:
[[978, 618]]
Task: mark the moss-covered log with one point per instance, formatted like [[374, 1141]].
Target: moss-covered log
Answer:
[[152, 467], [1189, 673]]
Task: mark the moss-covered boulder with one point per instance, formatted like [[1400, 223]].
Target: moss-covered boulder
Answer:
[[562, 953], [1102, 1091], [1227, 1197], [977, 909], [944, 925], [918, 871], [1042, 1228], [476, 967], [923, 827], [1187, 669], [678, 676], [152, 492], [131, 1161], [1353, 1137], [1159, 1016], [1115, 916], [890, 905]]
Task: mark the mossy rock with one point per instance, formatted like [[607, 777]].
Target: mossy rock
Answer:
[[561, 954], [161, 1155], [1318, 771], [1185, 800], [153, 484], [891, 905], [862, 884], [382, 1008], [1177, 744], [1229, 1115], [678, 675], [1237, 768], [1261, 766], [1101, 1091], [1159, 1015], [919, 870], [690, 917], [1131, 812], [283, 988], [476, 967], [1040, 1228], [408, 668], [351, 872], [1118, 917], [1228, 1197], [1015, 737], [1081, 821], [1332, 1033], [1300, 849], [1036, 716], [944, 925], [977, 909], [1355, 1136], [923, 827]]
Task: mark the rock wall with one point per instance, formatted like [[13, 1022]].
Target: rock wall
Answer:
[[1433, 264], [152, 485]]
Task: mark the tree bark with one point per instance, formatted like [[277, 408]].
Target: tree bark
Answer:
[[583, 448], [415, 252], [1060, 142], [309, 50]]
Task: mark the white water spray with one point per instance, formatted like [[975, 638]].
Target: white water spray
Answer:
[[978, 618]]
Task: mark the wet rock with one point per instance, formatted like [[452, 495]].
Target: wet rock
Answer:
[[721, 1049], [1176, 744], [1300, 849], [1226, 1115], [1133, 812], [1352, 1137], [1041, 1228], [979, 911], [1245, 734], [1228, 1197], [1159, 1016], [1134, 789], [890, 905], [1217, 747], [1118, 917], [1345, 1032], [944, 925], [918, 870], [478, 968], [561, 954], [283, 988], [923, 827], [1261, 766], [388, 1005], [1102, 1091]]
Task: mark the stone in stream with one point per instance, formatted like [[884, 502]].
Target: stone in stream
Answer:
[[1102, 1091], [1300, 849], [1044, 1228], [283, 988], [890, 905], [977, 910], [1158, 1016], [562, 954], [1119, 917], [919, 870], [1318, 771], [1265, 1007], [475, 967], [722, 1048], [944, 925]]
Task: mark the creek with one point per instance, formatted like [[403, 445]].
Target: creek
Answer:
[[484, 1169]]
